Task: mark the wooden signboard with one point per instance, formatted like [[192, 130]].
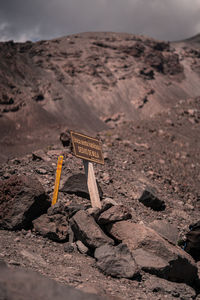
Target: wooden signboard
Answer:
[[90, 150], [87, 148]]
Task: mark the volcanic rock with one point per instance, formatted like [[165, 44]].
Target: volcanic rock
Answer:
[[72, 209], [107, 203], [147, 73], [87, 230], [149, 262], [82, 248], [116, 261], [77, 184], [166, 230], [114, 214], [150, 200], [172, 260], [70, 247], [193, 241], [22, 199], [65, 138], [94, 212], [40, 155], [57, 208], [54, 227]]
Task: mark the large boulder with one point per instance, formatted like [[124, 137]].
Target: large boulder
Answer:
[[160, 257], [22, 284], [86, 230], [116, 261], [22, 199]]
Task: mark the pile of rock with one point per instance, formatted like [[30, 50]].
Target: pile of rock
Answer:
[[121, 247]]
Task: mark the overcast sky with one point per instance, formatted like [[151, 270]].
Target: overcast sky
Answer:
[[23, 20]]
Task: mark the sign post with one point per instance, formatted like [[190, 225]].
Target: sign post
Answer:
[[90, 150], [57, 181], [92, 185]]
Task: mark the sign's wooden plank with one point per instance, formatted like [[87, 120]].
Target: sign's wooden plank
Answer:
[[92, 184], [57, 181], [87, 148]]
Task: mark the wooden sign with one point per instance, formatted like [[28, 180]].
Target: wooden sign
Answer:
[[90, 150], [57, 181], [87, 148]]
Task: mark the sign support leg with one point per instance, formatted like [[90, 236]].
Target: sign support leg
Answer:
[[92, 185]]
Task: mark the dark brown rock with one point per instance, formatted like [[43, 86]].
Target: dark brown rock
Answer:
[[82, 248], [149, 199], [114, 214], [70, 247], [94, 212], [57, 208], [116, 261], [73, 208], [54, 227], [193, 241], [150, 262], [147, 73], [77, 184], [107, 203], [65, 138], [173, 260], [87, 230], [40, 155], [166, 230], [22, 199]]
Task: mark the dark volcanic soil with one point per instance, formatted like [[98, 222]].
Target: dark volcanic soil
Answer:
[[151, 141]]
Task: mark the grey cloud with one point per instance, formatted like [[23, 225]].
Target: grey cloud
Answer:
[[44, 19]]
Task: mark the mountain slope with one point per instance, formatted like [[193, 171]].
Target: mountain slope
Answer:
[[77, 80]]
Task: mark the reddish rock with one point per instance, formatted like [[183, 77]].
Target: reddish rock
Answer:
[[166, 230], [116, 261], [22, 199], [114, 214], [175, 264], [53, 227], [87, 231]]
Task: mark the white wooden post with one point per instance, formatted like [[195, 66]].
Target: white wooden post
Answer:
[[92, 184]]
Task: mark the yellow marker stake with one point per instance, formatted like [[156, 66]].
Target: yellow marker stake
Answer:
[[57, 181]]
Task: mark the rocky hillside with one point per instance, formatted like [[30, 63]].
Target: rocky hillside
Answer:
[[77, 80], [129, 249], [143, 98]]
